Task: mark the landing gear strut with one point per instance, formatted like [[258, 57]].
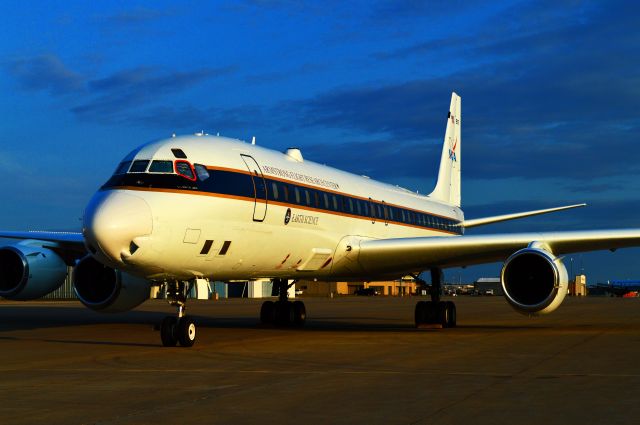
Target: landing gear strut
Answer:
[[435, 312], [180, 329], [283, 312]]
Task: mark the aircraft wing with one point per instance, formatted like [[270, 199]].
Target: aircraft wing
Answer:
[[412, 254], [69, 245], [61, 237]]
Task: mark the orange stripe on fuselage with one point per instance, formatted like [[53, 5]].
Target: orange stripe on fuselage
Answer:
[[282, 204]]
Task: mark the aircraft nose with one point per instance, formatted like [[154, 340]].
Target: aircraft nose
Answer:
[[112, 221]]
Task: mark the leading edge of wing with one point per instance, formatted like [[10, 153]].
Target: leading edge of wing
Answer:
[[60, 237], [410, 254]]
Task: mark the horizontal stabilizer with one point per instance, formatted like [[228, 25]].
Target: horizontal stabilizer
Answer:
[[498, 218]]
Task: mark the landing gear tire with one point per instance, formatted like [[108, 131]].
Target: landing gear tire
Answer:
[[167, 331], [299, 313], [443, 314], [268, 313], [436, 313], [186, 331], [284, 313], [452, 314]]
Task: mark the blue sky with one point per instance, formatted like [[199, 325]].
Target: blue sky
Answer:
[[551, 97]]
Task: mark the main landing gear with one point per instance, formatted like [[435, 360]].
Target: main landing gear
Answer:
[[283, 312], [436, 312], [181, 329]]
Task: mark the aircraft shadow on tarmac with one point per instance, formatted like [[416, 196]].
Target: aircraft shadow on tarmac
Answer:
[[38, 317]]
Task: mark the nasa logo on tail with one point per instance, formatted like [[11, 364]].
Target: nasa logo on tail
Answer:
[[452, 152]]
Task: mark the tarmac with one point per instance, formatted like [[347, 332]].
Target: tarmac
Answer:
[[358, 360]]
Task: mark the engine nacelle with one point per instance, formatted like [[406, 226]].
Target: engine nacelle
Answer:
[[534, 281], [108, 290], [28, 272]]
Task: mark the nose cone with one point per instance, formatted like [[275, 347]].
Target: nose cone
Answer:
[[112, 221]]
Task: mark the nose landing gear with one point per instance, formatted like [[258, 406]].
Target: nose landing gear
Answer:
[[180, 329]]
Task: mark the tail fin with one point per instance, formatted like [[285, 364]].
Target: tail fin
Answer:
[[448, 186]]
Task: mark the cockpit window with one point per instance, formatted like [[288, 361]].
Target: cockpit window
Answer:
[[161, 167], [139, 166], [123, 167], [183, 168], [201, 171]]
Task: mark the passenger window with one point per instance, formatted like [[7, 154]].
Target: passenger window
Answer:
[[335, 203], [307, 197], [202, 172], [297, 192], [351, 205], [183, 168], [316, 197], [275, 190], [161, 167], [139, 166], [285, 192], [123, 167], [359, 210], [404, 219]]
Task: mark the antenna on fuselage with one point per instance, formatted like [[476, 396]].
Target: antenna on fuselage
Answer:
[[253, 140]]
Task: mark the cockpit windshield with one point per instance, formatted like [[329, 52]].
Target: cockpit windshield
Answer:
[[161, 167], [181, 167], [139, 166]]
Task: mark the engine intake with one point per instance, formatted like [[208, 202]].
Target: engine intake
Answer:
[[28, 272], [534, 281], [108, 290]]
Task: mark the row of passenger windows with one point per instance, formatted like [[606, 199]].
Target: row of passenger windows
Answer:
[[180, 167], [328, 201]]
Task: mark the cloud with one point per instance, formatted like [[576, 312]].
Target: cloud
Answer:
[[46, 73], [111, 96], [569, 105], [135, 16], [277, 76], [190, 118]]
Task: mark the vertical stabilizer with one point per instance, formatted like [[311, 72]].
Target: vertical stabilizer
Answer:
[[448, 186]]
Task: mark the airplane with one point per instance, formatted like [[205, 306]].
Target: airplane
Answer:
[[187, 209]]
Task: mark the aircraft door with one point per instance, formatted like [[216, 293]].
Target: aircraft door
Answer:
[[259, 188]]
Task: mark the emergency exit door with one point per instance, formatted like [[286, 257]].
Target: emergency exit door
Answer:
[[259, 188]]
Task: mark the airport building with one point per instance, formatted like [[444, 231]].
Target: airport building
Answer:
[[488, 286], [64, 292], [400, 287], [578, 287]]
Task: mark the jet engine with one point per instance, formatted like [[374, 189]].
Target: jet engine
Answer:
[[108, 290], [534, 281], [28, 272]]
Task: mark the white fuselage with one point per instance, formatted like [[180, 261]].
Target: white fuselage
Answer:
[[259, 214]]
